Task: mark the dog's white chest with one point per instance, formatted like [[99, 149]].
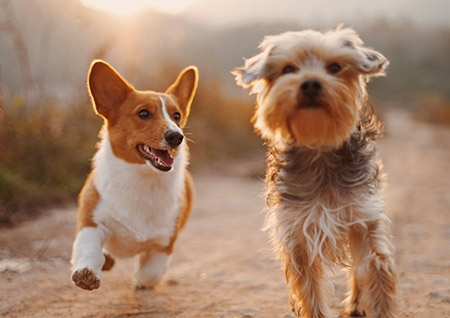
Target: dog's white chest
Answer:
[[137, 204], [139, 213]]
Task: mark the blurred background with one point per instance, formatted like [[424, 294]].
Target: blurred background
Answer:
[[48, 129]]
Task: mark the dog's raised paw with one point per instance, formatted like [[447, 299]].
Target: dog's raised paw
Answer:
[[85, 278]]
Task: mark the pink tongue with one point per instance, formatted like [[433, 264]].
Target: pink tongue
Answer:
[[164, 156]]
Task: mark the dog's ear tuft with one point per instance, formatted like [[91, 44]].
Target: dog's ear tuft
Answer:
[[255, 68], [107, 88], [372, 62], [184, 88], [368, 61]]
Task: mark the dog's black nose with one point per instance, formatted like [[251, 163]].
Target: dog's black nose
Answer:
[[173, 138], [311, 87]]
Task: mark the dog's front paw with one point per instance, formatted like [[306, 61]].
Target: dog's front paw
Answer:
[[85, 278]]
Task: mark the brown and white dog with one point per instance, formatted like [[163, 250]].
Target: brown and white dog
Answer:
[[323, 180], [139, 194]]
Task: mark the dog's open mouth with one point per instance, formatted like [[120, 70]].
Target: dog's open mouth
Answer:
[[160, 159]]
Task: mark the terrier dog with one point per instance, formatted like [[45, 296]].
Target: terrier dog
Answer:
[[139, 194], [323, 177]]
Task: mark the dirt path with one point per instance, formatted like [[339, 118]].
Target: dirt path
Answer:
[[223, 266]]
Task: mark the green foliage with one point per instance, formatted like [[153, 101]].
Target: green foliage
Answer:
[[45, 152]]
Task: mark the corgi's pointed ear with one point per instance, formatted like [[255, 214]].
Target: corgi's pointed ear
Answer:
[[184, 88], [107, 88]]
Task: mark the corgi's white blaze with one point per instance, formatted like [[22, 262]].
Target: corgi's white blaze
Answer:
[[172, 125]]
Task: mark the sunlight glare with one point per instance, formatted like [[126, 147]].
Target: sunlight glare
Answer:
[[127, 7]]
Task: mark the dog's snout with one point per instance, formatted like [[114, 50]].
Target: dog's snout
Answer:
[[173, 138], [311, 87]]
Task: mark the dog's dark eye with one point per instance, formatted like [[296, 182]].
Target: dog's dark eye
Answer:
[[144, 114], [288, 69], [334, 68], [177, 116]]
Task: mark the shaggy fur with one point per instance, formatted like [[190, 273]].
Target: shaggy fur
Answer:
[[323, 180]]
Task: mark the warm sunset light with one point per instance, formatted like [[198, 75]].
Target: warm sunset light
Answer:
[[126, 7]]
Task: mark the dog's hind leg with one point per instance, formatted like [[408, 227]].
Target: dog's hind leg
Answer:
[[152, 266], [109, 261]]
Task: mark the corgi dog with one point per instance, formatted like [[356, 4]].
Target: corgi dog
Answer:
[[139, 194]]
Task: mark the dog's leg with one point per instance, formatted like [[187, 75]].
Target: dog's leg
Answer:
[[309, 289], [352, 302], [109, 261], [88, 258], [352, 306], [152, 266], [374, 273]]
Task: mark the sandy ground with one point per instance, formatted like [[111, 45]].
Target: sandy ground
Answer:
[[223, 266]]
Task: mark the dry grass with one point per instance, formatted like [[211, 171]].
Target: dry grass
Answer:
[[45, 150]]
